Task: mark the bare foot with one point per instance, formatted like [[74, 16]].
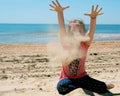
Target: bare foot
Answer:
[[110, 86]]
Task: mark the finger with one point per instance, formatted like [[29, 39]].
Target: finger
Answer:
[[52, 9], [99, 10], [92, 8], [58, 3], [87, 14], [66, 7], [100, 13], [96, 8], [54, 3], [52, 6]]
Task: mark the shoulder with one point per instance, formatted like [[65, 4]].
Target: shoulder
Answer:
[[85, 44]]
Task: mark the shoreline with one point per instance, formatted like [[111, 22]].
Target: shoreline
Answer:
[[43, 43], [25, 68]]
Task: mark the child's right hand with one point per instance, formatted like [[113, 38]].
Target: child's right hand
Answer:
[[55, 6]]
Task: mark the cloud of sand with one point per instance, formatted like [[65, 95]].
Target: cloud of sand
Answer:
[[67, 50]]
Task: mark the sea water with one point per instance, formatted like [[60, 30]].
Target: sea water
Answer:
[[45, 33]]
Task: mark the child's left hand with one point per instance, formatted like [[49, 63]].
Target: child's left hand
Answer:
[[94, 12]]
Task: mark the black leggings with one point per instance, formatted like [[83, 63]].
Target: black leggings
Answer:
[[66, 85]]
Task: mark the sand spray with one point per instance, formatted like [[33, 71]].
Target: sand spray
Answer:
[[66, 50]]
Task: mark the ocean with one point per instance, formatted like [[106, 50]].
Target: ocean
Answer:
[[44, 33]]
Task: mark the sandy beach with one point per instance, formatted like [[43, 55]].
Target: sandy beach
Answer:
[[25, 69]]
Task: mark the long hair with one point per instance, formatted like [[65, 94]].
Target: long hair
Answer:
[[82, 25]]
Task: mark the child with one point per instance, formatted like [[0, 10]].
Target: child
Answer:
[[73, 75]]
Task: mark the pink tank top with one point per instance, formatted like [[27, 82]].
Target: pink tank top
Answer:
[[79, 69]]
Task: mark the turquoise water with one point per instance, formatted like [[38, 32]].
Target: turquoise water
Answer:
[[43, 33]]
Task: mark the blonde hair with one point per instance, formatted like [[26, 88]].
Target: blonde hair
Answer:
[[81, 24]]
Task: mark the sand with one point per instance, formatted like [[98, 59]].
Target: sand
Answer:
[[25, 69]]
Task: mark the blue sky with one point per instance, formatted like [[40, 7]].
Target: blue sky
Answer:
[[37, 11]]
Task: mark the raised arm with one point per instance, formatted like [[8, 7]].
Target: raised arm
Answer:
[[94, 13], [55, 6]]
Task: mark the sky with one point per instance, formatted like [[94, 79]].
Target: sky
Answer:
[[37, 11]]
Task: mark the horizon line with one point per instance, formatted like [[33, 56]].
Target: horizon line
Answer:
[[65, 24]]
